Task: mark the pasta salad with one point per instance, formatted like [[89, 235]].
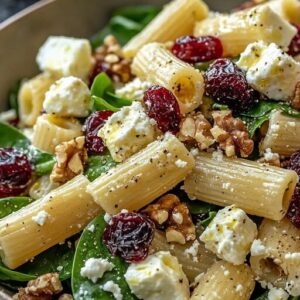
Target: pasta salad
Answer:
[[158, 160]]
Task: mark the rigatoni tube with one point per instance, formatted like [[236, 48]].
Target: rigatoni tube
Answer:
[[143, 177], [46, 222], [158, 65], [258, 189], [287, 9], [175, 20], [225, 281]]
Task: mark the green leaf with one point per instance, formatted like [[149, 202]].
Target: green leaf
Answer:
[[197, 207], [219, 106], [254, 123], [101, 85], [12, 137], [12, 204], [13, 96], [264, 296], [90, 246], [97, 165], [210, 217]]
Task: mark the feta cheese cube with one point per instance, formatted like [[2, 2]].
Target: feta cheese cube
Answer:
[[160, 276], [127, 131], [65, 56], [68, 97], [270, 70], [230, 235]]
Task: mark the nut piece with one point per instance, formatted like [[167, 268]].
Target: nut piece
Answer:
[[110, 57], [71, 157], [41, 288], [170, 214], [270, 158], [296, 101], [231, 134], [196, 129]]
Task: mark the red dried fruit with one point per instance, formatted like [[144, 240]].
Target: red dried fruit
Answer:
[[226, 83], [294, 48], [162, 106], [197, 49], [93, 123], [15, 172], [129, 236]]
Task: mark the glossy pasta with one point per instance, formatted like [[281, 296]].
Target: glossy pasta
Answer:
[[288, 9]]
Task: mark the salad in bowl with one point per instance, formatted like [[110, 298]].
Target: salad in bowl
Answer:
[[157, 160]]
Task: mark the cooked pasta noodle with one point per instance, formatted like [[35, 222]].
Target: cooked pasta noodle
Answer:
[[288, 9]]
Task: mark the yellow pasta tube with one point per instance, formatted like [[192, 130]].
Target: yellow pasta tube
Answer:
[[240, 29], [287, 9], [46, 222], [283, 135], [157, 65], [50, 131], [276, 256], [31, 97], [175, 20], [258, 189], [143, 177], [193, 256], [225, 281]]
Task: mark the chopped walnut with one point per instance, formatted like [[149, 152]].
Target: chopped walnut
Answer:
[[231, 134], [110, 56], [70, 159], [296, 100], [42, 288], [196, 129], [174, 216]]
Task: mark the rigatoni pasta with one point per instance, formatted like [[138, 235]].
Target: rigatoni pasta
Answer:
[[282, 135], [31, 97], [46, 222], [225, 181], [225, 281], [50, 130], [143, 177], [156, 64], [175, 20], [287, 9]]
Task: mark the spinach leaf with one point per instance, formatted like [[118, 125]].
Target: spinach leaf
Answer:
[[197, 207], [12, 137], [210, 217], [126, 23], [11, 204], [103, 96], [90, 246], [98, 164]]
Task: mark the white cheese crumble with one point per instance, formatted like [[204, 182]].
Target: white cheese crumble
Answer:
[[91, 228], [180, 163], [40, 218], [94, 268], [230, 235], [257, 248], [217, 155], [107, 218], [270, 156], [277, 294], [193, 251], [113, 288]]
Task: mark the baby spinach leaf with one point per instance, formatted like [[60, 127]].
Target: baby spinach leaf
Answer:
[[101, 85], [210, 217], [12, 137], [7, 274], [97, 165], [197, 207], [11, 204], [90, 246]]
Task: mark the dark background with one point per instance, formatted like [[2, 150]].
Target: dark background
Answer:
[[10, 7]]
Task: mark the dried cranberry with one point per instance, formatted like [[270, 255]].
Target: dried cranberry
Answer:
[[162, 106], [93, 123], [15, 172], [294, 48], [197, 49], [226, 83], [129, 236]]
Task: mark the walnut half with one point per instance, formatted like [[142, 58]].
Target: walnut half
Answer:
[[296, 100], [174, 216], [70, 159]]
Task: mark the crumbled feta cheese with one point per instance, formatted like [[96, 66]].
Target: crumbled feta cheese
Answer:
[[270, 70], [127, 131], [193, 251], [195, 152], [275, 127], [277, 294], [217, 155], [40, 218], [113, 288], [91, 228], [59, 268], [270, 156], [68, 97], [257, 248], [160, 276], [230, 235], [94, 268], [180, 163], [134, 90], [107, 218], [65, 56]]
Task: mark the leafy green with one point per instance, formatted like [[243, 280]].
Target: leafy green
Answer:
[[264, 296], [198, 207], [103, 96], [219, 106], [98, 164], [126, 23], [12, 137], [210, 217], [11, 204], [13, 96], [90, 246]]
